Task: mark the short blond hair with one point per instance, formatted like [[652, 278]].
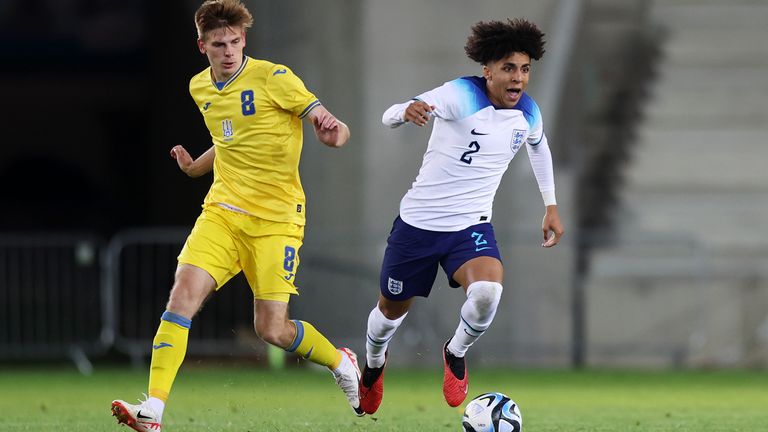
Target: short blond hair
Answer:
[[216, 14]]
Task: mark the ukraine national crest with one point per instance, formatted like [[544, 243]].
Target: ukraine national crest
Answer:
[[227, 129]]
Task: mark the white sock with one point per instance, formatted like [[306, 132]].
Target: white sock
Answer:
[[476, 315], [380, 331], [343, 365], [157, 406]]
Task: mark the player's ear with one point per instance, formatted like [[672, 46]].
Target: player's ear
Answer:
[[486, 72], [201, 45]]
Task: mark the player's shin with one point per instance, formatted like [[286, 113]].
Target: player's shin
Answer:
[[380, 330], [476, 315], [168, 350]]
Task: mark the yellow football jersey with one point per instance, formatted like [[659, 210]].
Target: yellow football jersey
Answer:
[[255, 122]]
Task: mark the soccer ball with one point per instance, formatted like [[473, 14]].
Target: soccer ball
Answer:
[[492, 412]]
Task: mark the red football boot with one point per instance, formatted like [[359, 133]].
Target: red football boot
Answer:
[[372, 387], [455, 378]]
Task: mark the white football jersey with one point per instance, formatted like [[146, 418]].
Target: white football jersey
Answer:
[[471, 146]]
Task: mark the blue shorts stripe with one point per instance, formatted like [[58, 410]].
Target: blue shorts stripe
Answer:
[[176, 319], [299, 336]]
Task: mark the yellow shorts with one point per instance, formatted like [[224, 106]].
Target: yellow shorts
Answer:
[[225, 242]]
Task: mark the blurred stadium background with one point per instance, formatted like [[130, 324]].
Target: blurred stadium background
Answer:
[[656, 114]]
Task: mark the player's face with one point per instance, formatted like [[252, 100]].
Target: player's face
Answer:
[[507, 78], [224, 48]]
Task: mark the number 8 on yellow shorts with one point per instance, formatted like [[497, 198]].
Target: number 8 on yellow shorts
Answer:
[[224, 242]]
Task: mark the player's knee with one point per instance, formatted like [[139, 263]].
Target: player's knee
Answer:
[[393, 310], [485, 295], [393, 314]]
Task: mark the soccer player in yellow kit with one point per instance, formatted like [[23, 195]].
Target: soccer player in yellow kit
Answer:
[[253, 215]]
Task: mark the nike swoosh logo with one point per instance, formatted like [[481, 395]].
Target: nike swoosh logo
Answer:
[[309, 353], [279, 71], [474, 132], [161, 345], [482, 248], [288, 277], [139, 416]]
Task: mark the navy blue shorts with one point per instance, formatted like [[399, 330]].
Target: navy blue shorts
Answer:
[[410, 261]]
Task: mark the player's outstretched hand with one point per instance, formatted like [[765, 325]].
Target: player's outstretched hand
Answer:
[[182, 158], [193, 167], [328, 129], [418, 113], [551, 227]]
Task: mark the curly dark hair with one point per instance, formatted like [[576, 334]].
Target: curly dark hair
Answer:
[[493, 40]]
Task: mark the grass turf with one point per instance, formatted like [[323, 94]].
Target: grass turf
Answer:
[[248, 399]]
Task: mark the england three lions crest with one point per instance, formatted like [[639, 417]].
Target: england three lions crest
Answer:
[[518, 135], [395, 286]]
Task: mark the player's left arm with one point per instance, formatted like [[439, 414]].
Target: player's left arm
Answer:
[[194, 167], [541, 162], [551, 227], [328, 129]]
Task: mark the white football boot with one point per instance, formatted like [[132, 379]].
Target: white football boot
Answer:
[[348, 378], [140, 417]]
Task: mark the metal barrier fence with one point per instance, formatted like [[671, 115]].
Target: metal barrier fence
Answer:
[[52, 298], [74, 296], [140, 268]]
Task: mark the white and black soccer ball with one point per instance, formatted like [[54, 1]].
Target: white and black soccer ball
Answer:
[[492, 412]]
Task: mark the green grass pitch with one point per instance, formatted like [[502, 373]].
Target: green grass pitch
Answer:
[[253, 399]]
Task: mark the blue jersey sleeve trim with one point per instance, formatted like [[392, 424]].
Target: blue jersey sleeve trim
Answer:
[[299, 336], [473, 97], [309, 108], [176, 319], [530, 110], [476, 86]]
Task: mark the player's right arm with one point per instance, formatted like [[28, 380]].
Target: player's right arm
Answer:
[[415, 111], [439, 102], [193, 167]]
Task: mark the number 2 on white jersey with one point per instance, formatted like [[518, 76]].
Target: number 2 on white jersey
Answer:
[[475, 147]]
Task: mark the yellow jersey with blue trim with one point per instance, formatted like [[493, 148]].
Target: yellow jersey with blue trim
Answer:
[[254, 119]]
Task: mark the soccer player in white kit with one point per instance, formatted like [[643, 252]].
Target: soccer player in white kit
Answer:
[[479, 125]]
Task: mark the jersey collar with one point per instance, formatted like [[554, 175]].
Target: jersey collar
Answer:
[[220, 85], [480, 83]]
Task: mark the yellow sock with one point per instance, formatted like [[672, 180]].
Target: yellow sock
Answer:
[[313, 346], [168, 350]]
